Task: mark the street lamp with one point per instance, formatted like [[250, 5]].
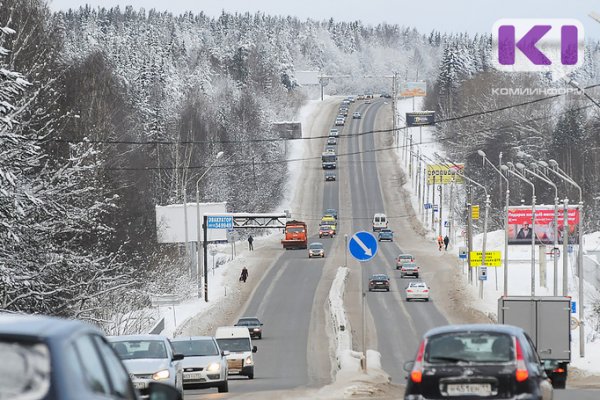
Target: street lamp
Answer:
[[560, 173], [485, 159], [199, 231], [538, 174], [510, 169]]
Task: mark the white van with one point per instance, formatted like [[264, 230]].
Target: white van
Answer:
[[236, 340], [379, 222]]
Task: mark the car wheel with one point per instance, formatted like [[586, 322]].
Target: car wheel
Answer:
[[370, 290], [407, 299], [417, 276], [427, 299], [224, 387], [401, 275], [388, 289], [251, 375]]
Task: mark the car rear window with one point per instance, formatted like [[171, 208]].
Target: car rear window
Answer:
[[24, 371], [474, 347]]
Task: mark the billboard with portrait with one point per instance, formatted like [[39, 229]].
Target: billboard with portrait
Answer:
[[520, 229]]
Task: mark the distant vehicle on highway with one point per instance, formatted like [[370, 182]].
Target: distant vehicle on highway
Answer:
[[385, 234], [386, 95], [356, 115], [331, 140], [326, 230], [343, 112], [295, 235], [379, 282], [205, 364], [330, 176], [339, 121], [331, 211], [316, 249], [368, 102], [380, 222], [335, 132], [417, 290], [149, 358], [360, 97], [481, 361], [404, 258], [253, 324], [236, 340], [57, 359], [409, 269]]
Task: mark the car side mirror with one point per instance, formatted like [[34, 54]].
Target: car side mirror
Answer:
[[162, 391], [408, 366], [261, 324], [254, 349], [178, 356], [225, 353]]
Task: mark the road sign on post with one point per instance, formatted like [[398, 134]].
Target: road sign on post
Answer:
[[475, 212], [483, 273], [492, 258], [220, 222], [362, 246], [462, 253]]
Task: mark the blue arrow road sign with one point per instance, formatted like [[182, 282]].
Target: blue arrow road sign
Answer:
[[362, 246]]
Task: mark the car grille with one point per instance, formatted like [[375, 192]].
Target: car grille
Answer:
[[235, 364], [193, 369], [141, 376]]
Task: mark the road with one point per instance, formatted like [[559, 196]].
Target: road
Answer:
[[290, 300]]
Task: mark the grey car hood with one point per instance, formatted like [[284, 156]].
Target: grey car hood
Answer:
[[199, 361], [146, 365]]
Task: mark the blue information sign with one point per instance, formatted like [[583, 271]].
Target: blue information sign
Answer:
[[219, 222], [362, 246], [573, 307]]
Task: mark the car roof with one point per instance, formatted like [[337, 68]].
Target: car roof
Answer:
[[499, 328], [418, 283], [191, 338], [404, 255], [379, 276], [41, 326], [123, 338]]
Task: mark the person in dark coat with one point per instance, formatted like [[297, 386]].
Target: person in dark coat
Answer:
[[250, 241], [244, 275], [446, 241]]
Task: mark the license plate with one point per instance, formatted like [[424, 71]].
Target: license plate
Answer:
[[140, 384], [192, 375], [479, 389]]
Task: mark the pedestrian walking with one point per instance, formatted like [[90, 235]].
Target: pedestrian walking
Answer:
[[244, 275], [250, 241], [446, 241], [440, 241]]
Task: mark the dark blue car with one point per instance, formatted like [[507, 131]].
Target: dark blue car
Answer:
[[385, 234], [49, 358]]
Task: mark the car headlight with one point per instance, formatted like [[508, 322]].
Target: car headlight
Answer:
[[248, 361], [164, 374], [214, 367], [256, 329]]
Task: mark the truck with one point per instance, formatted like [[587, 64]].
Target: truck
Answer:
[[295, 235], [547, 321], [329, 160]]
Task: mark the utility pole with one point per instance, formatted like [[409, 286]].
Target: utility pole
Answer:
[[441, 189], [566, 247], [394, 77], [469, 231]]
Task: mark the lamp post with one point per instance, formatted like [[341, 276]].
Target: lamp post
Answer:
[[559, 172], [485, 160], [199, 230], [510, 169]]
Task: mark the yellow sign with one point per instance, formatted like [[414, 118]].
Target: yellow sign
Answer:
[[492, 258], [475, 212], [443, 174]]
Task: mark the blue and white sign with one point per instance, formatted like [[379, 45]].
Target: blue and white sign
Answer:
[[362, 246], [427, 206], [436, 207], [573, 307], [483, 273], [219, 222]]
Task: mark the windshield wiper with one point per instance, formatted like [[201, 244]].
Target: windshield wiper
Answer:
[[451, 359]]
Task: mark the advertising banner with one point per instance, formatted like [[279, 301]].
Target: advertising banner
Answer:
[[420, 118], [519, 224], [443, 174], [413, 89]]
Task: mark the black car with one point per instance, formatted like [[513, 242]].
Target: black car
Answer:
[[253, 324], [57, 359], [482, 361], [379, 282]]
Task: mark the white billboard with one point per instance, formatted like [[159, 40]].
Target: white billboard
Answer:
[[170, 222], [307, 77]]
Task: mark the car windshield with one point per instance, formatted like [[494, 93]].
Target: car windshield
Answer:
[[234, 344], [472, 347], [138, 349], [316, 246], [25, 370], [295, 230], [248, 322], [379, 277], [196, 347], [409, 265]]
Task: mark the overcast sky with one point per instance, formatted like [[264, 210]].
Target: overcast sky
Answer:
[[426, 15]]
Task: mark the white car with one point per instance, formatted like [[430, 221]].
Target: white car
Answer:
[[417, 290], [339, 121], [149, 358], [205, 364]]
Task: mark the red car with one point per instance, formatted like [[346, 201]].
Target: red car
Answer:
[[326, 230]]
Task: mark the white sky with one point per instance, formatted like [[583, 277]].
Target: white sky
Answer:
[[426, 15]]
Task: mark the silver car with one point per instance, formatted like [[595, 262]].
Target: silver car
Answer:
[[205, 364], [149, 358]]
